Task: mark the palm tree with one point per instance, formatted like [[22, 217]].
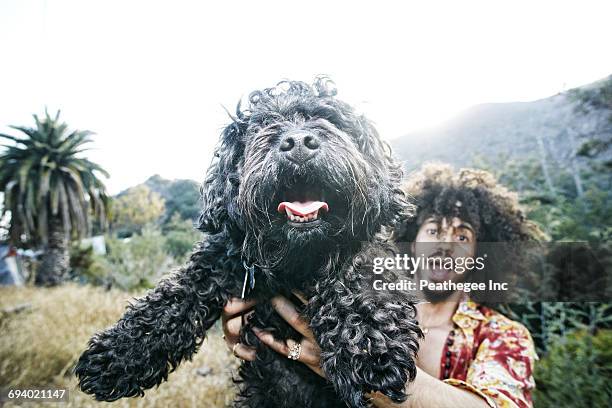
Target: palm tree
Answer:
[[51, 192]]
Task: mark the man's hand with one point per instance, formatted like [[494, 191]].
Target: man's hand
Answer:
[[231, 321], [232, 317], [310, 351], [425, 390]]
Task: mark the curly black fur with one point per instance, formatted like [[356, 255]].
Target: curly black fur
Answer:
[[368, 339]]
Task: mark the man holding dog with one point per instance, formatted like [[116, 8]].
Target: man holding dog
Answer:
[[471, 355]]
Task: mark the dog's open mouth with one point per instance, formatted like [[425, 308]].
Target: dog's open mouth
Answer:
[[303, 211], [303, 208]]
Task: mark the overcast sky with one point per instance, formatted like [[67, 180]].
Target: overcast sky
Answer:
[[151, 77]]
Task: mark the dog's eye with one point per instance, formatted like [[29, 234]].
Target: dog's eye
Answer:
[[234, 179]]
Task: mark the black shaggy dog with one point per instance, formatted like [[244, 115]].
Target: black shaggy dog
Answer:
[[297, 198]]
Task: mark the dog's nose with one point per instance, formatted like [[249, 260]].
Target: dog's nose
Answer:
[[299, 146]]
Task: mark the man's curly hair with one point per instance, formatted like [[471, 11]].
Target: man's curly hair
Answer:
[[472, 195], [476, 197]]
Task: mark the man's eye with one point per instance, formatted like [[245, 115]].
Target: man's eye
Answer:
[[462, 238], [432, 231]]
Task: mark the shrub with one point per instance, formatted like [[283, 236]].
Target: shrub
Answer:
[[139, 261], [576, 372], [88, 267], [130, 264], [180, 237]]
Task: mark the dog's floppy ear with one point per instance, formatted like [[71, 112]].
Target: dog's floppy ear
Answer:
[[389, 174], [220, 188]]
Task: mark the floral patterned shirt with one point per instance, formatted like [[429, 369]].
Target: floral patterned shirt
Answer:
[[490, 355]]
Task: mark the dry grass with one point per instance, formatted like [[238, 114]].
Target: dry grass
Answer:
[[40, 344]]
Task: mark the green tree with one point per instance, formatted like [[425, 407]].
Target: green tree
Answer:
[[50, 191], [576, 372], [183, 197], [135, 208], [181, 235]]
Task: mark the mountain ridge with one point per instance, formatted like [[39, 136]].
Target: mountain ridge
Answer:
[[510, 129]]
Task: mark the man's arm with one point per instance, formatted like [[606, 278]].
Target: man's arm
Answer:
[[426, 392]]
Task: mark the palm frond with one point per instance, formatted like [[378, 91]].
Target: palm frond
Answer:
[[43, 179], [13, 138]]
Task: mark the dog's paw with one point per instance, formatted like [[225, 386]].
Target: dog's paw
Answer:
[[362, 373], [110, 370], [371, 352]]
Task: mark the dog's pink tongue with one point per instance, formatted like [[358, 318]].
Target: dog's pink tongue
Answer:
[[303, 208]]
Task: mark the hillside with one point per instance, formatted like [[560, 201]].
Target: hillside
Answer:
[[182, 196], [553, 128]]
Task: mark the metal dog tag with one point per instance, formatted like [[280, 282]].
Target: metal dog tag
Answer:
[[249, 276]]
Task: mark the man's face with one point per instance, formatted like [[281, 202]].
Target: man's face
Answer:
[[444, 239]]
